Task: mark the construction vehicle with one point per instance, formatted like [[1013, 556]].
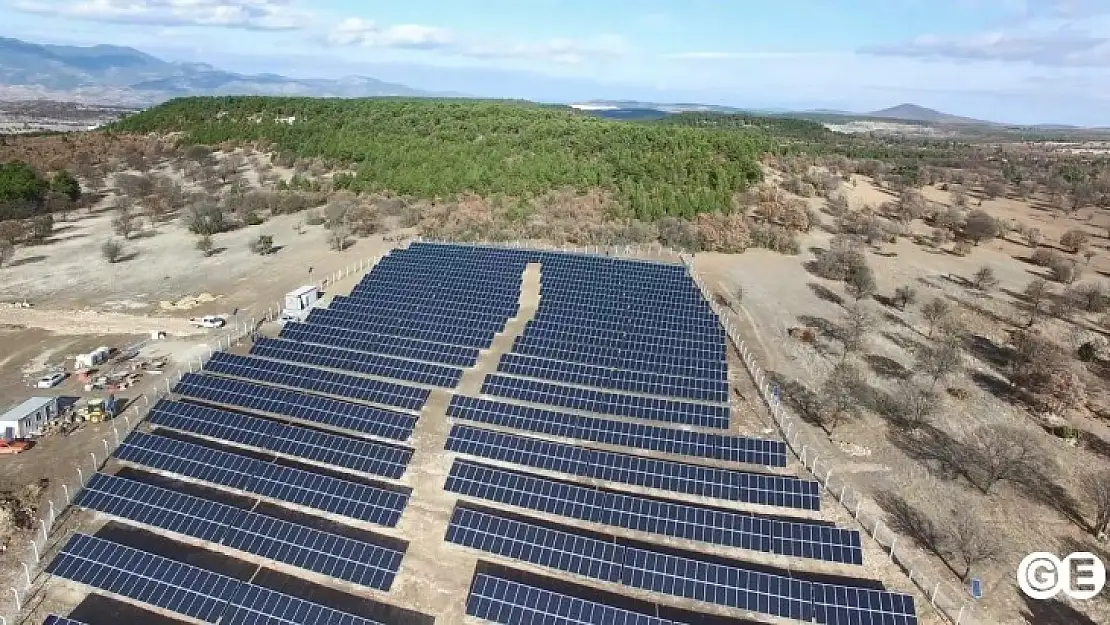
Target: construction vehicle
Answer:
[[208, 321], [14, 446], [99, 409]]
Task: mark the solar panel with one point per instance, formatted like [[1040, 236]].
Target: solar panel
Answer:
[[340, 451], [255, 605], [275, 539], [318, 409], [617, 404], [317, 380], [691, 479], [604, 358], [54, 619], [313, 490], [620, 433], [644, 382], [428, 330], [358, 362], [499, 600], [461, 321], [708, 581], [666, 518], [479, 311], [571, 340], [399, 346], [144, 577]]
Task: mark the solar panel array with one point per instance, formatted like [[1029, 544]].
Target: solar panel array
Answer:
[[264, 536], [618, 353], [54, 619], [666, 518], [723, 584], [313, 490], [680, 477], [178, 587]]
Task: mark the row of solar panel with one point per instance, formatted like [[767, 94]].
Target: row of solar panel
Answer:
[[563, 260], [620, 433], [572, 304], [313, 490], [679, 477], [185, 589], [602, 402], [317, 380], [610, 292], [345, 452], [500, 301], [655, 516], [402, 347], [356, 561], [445, 318], [644, 382], [659, 363], [472, 269], [649, 333], [317, 409], [432, 285], [699, 327], [500, 600], [730, 585], [633, 344], [475, 310], [331, 318], [356, 361]]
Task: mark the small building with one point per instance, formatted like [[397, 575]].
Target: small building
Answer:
[[27, 418]]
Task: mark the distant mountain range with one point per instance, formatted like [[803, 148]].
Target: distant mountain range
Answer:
[[120, 75]]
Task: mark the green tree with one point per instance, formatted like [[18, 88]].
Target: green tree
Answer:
[[64, 183]]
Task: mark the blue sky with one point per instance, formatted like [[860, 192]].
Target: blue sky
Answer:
[[1007, 60]]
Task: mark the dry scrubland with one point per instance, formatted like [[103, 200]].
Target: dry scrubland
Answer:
[[975, 424]]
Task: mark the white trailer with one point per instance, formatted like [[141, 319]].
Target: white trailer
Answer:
[[301, 299], [95, 357]]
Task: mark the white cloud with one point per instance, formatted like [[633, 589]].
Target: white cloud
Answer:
[[366, 33], [722, 55], [245, 14]]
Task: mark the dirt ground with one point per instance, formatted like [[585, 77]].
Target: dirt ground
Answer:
[[780, 293]]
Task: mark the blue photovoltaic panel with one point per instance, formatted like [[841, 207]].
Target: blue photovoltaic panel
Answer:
[[323, 317], [341, 451], [275, 539], [617, 404], [324, 410], [54, 619], [144, 577], [476, 310], [667, 518], [255, 605], [620, 433], [499, 600], [313, 490], [401, 347], [446, 319], [729, 585], [604, 358], [530, 543], [358, 362], [317, 380], [569, 340], [644, 382], [634, 330], [691, 479]]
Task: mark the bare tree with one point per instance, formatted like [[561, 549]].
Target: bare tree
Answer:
[[205, 245], [1034, 237], [42, 226], [1036, 293], [858, 323], [968, 541], [911, 205], [915, 404], [936, 309], [1096, 487], [860, 281], [1074, 240], [959, 198], [995, 454], [205, 217], [904, 296], [839, 398], [994, 189], [984, 279], [12, 231], [938, 361], [125, 222], [339, 236]]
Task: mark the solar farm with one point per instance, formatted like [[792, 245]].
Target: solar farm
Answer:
[[471, 435]]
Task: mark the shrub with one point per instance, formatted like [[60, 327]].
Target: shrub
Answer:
[[981, 226], [984, 279], [904, 296], [678, 234], [205, 245], [314, 218], [7, 250], [1034, 237], [1043, 256], [1091, 297], [112, 250], [962, 248], [263, 245], [940, 236], [1064, 270], [205, 217], [860, 281], [722, 233], [1074, 240], [836, 263], [775, 238], [1087, 352]]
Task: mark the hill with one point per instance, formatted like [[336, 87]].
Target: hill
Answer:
[[123, 75], [440, 148], [915, 113]]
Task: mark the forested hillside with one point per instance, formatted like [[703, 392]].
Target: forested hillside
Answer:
[[439, 148]]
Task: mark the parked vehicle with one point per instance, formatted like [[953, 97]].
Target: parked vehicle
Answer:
[[14, 446], [208, 321], [50, 381]]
